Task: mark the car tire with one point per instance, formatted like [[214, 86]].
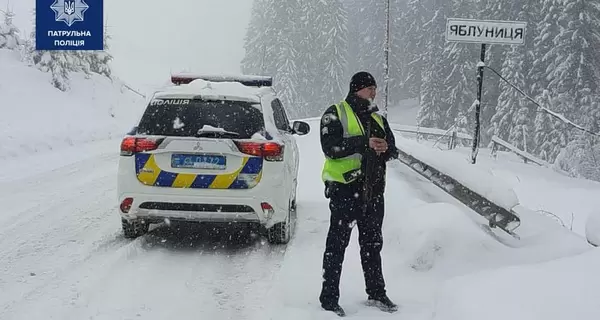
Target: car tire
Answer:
[[281, 232], [134, 229]]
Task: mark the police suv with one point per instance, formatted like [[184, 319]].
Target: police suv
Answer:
[[211, 149]]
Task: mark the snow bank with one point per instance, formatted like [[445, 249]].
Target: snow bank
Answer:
[[571, 203], [592, 229], [471, 176], [37, 117], [440, 237], [559, 289]]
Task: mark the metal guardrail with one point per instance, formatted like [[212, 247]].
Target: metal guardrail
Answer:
[[428, 131], [497, 216], [526, 156], [451, 135]]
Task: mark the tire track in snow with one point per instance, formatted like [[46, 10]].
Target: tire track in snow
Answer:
[[54, 234], [169, 275]]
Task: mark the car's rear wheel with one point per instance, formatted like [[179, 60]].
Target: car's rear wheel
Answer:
[[281, 232], [134, 229]]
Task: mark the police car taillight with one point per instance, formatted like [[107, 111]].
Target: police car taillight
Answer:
[[271, 151], [126, 205], [132, 145], [267, 209]]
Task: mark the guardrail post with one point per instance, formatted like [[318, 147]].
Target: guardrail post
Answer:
[[494, 149]]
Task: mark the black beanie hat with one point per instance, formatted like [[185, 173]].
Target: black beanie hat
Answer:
[[361, 80]]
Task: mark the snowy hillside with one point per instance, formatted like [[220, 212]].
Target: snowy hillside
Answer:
[[37, 117]]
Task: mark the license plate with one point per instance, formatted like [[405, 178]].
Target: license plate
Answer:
[[195, 161]]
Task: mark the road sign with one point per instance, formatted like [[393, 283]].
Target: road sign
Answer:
[[483, 32], [486, 31]]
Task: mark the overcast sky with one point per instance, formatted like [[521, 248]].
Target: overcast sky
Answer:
[[153, 38]]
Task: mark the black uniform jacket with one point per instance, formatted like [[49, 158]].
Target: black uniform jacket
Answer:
[[334, 146]]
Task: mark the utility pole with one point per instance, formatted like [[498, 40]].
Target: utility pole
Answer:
[[387, 58]]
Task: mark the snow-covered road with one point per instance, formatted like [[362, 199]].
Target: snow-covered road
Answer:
[[62, 255]]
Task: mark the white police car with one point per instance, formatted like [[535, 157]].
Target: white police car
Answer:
[[211, 149]]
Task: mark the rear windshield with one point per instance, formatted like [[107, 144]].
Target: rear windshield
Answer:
[[201, 118]]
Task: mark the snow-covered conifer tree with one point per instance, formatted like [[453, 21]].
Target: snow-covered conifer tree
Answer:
[[513, 119], [57, 63], [433, 102], [575, 55], [366, 27], [417, 14], [99, 60], [511, 122], [285, 53], [255, 40], [10, 37], [329, 50]]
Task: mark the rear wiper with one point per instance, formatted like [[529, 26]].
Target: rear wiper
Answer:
[[208, 131]]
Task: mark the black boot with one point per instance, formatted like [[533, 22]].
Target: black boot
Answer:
[[335, 308], [383, 303]]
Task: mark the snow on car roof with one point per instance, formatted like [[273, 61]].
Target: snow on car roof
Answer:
[[216, 90]]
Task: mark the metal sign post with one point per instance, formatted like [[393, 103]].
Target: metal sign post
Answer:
[[484, 32]]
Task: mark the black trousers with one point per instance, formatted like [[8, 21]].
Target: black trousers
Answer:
[[346, 205]]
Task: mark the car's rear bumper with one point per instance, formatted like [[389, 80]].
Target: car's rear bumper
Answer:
[[204, 204], [155, 207]]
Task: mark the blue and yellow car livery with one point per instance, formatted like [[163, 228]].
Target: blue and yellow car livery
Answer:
[[246, 177]]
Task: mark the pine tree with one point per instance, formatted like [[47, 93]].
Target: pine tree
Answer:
[[543, 64], [99, 61], [495, 56], [460, 82], [329, 50], [10, 37], [573, 79], [433, 105], [285, 53], [513, 120], [58, 63], [549, 135], [545, 31], [581, 157], [397, 55], [460, 85], [307, 33], [510, 121], [415, 17], [304, 44], [254, 60], [367, 25]]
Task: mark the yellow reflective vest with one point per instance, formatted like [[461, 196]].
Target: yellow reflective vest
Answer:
[[347, 169]]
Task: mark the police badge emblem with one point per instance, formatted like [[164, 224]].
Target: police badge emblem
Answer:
[[69, 11]]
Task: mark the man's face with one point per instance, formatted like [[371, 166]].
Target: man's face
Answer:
[[368, 93]]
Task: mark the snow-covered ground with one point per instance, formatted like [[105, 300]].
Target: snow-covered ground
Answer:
[[569, 201], [36, 117], [63, 256], [429, 239]]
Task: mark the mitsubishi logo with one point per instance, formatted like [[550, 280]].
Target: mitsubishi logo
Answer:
[[197, 146]]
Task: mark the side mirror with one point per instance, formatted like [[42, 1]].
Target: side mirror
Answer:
[[300, 128]]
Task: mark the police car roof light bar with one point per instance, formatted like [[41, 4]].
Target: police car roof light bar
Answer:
[[247, 80]]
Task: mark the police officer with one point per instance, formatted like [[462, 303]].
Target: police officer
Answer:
[[357, 143]]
